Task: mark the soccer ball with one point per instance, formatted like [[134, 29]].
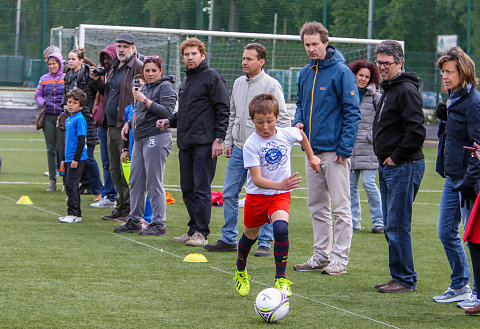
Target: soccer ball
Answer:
[[272, 305]]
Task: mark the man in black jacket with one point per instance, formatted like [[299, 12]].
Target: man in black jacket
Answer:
[[201, 122], [398, 136]]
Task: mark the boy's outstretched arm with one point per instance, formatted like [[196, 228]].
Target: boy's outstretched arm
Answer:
[[313, 160], [288, 183]]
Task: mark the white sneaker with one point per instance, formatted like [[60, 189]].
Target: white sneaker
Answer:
[[197, 239], [454, 295], [70, 219], [470, 302], [46, 173], [103, 203], [334, 268]]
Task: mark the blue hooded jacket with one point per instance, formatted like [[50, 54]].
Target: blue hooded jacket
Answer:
[[330, 112]]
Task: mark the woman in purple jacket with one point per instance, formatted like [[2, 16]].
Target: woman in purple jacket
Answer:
[[49, 95]]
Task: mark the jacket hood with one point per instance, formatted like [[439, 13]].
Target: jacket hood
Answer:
[[371, 88], [169, 78], [332, 56], [403, 77], [110, 51], [59, 58]]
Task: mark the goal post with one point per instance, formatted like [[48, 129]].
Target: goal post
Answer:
[[285, 53]]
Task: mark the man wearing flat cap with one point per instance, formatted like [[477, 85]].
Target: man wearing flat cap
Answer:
[[118, 95]]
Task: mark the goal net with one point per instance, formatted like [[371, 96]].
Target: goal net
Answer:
[[285, 53]]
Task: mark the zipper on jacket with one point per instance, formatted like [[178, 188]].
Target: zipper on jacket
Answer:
[[311, 103]]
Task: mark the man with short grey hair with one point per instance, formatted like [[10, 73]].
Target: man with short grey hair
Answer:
[[398, 136], [117, 96], [51, 50]]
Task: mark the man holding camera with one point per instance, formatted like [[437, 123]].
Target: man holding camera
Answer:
[[117, 96]]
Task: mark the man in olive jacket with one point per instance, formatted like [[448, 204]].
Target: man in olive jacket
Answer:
[[118, 95]]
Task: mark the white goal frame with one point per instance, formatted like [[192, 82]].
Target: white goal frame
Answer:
[[287, 74]]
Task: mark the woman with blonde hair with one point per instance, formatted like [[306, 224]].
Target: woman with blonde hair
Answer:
[[461, 170]]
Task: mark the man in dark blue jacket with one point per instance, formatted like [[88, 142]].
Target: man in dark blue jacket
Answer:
[[328, 112], [201, 122], [398, 136]]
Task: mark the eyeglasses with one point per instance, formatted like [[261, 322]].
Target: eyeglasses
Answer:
[[151, 57], [385, 64]]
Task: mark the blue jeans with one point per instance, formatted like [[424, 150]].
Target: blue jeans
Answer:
[[398, 187], [108, 187], [373, 196], [449, 219], [92, 172], [235, 177]]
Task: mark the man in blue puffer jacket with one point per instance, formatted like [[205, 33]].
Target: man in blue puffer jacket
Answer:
[[328, 112]]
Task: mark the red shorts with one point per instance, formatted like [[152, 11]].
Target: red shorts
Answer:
[[259, 208]]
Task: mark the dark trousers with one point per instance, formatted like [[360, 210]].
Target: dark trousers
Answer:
[[92, 171], [72, 179], [475, 254], [197, 169], [115, 145]]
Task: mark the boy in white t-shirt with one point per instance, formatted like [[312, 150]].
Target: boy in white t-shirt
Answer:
[[266, 154]]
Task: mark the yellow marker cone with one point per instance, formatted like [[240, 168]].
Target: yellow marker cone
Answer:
[[24, 199], [195, 258]]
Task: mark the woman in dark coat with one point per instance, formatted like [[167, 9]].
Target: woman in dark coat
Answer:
[[78, 76], [461, 170]]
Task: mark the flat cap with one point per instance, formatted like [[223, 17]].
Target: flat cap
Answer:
[[126, 37]]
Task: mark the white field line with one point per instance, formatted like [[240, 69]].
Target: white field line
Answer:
[[223, 271], [176, 188], [260, 283], [22, 139], [31, 205]]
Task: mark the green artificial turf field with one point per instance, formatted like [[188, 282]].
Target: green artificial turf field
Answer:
[[83, 276]]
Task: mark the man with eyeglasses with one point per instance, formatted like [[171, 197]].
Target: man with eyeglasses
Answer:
[[118, 95], [328, 112], [398, 136]]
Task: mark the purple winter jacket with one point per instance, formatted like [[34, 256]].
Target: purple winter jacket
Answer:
[[45, 86]]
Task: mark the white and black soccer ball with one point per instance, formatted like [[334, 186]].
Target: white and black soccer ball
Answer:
[[272, 305]]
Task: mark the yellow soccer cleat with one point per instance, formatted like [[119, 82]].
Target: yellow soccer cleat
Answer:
[[242, 283], [283, 285]]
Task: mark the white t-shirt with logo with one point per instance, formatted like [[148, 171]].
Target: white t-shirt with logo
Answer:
[[272, 155]]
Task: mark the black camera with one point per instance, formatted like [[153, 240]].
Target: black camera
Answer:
[[136, 84], [99, 71]]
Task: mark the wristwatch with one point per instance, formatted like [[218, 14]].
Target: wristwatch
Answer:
[[219, 140], [145, 101]]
